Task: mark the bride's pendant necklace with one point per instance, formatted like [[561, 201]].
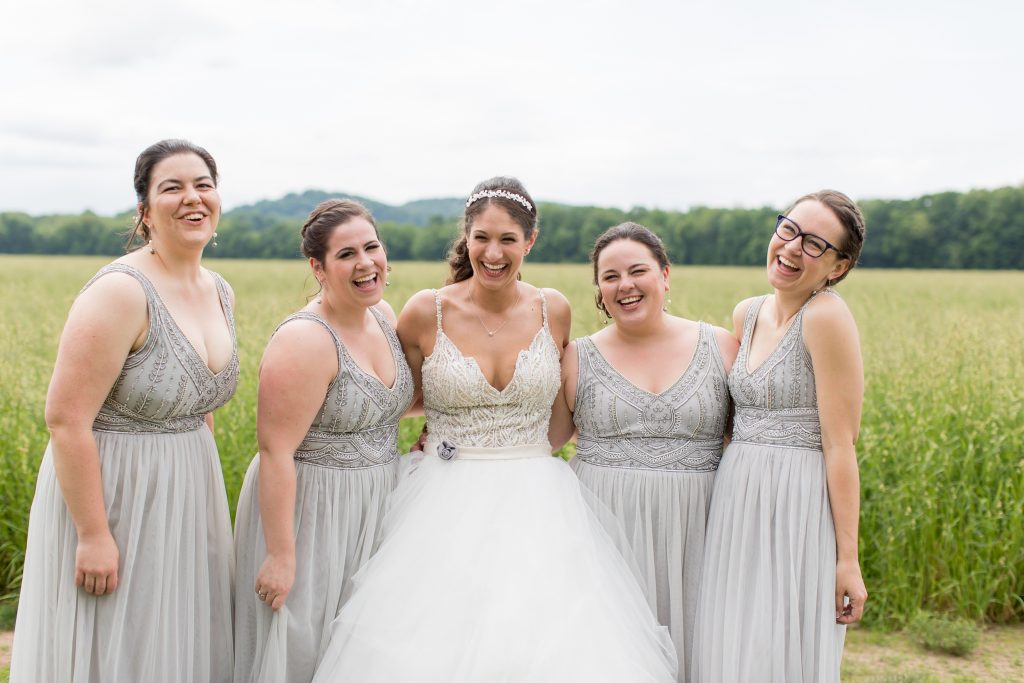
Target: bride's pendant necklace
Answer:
[[490, 332]]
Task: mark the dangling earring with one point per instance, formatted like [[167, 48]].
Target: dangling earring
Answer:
[[320, 295], [387, 282], [149, 244], [668, 300], [214, 239]]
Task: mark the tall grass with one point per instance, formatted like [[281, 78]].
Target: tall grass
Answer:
[[941, 447]]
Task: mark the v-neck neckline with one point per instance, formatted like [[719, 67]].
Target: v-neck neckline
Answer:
[[360, 368], [476, 364], [170, 317], [749, 337], [631, 383]]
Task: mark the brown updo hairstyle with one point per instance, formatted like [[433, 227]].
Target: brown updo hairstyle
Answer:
[[458, 256], [150, 157], [322, 221], [627, 231], [852, 220]]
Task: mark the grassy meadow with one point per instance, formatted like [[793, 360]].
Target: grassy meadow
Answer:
[[941, 447]]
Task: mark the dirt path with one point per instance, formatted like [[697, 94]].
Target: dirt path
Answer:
[[872, 657]]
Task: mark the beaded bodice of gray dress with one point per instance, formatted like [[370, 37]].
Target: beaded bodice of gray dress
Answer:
[[776, 404], [621, 425], [651, 459], [357, 425], [345, 470], [767, 594], [165, 386], [169, 619]]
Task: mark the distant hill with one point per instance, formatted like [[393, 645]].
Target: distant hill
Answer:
[[295, 206]]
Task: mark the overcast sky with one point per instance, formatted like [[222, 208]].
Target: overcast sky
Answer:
[[666, 104]]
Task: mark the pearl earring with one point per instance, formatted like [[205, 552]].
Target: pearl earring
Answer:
[[152, 250], [214, 239]]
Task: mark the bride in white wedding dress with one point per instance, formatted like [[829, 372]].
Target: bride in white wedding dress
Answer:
[[493, 566]]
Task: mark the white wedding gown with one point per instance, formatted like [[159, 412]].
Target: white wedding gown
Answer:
[[494, 566]]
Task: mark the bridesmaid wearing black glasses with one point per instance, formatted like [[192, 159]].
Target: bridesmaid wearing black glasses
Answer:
[[781, 576]]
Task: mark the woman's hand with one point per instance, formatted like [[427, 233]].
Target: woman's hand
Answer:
[[850, 593], [421, 442], [275, 578], [96, 560]]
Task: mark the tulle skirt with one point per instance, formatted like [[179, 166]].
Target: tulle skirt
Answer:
[[338, 514], [664, 514], [767, 603], [169, 619], [496, 567]]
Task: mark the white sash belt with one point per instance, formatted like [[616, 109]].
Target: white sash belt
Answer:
[[482, 453]]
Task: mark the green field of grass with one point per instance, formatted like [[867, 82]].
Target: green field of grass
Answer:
[[941, 447]]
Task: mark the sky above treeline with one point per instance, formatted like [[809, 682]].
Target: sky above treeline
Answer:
[[665, 104]]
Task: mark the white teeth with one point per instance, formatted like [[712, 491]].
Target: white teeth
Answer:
[[194, 217], [630, 300], [493, 268], [365, 279], [789, 264]]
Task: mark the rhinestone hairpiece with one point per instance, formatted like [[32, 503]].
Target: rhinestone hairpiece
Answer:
[[505, 194]]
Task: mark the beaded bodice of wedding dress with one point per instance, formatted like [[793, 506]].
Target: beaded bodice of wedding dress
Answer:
[[464, 408]]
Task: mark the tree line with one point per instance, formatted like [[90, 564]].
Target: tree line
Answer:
[[980, 229]]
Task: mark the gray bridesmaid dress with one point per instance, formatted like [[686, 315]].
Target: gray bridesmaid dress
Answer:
[[169, 620], [651, 459], [767, 607], [345, 469]]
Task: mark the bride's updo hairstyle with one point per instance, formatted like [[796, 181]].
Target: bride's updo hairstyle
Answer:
[[505, 192], [627, 231]]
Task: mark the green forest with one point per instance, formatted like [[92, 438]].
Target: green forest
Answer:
[[979, 229]]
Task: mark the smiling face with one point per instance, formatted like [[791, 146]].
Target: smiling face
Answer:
[[183, 204], [496, 246], [631, 283], [354, 266], [789, 268]]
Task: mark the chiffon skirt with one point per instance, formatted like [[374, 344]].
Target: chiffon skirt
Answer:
[[664, 514], [338, 513], [496, 569], [169, 619], [767, 605]]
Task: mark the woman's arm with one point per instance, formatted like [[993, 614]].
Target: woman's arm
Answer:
[[298, 366], [562, 427], [728, 347], [830, 334], [105, 322], [417, 327]]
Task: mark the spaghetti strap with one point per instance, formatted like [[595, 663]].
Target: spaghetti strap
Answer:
[[437, 306], [543, 307]]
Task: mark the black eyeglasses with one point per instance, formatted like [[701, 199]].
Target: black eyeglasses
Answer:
[[811, 244]]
